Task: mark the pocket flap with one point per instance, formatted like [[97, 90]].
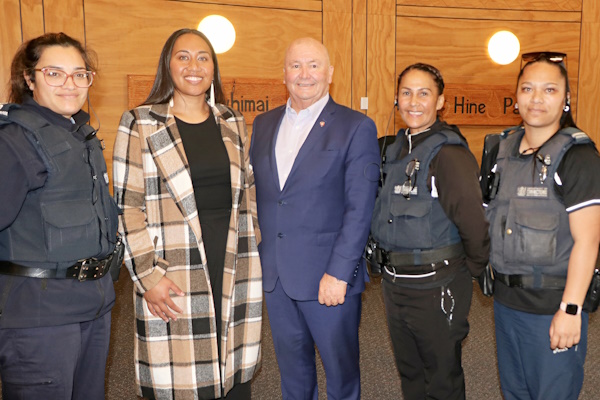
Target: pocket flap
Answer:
[[409, 208], [68, 213], [538, 221]]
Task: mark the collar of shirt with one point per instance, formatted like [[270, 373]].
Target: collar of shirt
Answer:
[[311, 112], [70, 124], [292, 134]]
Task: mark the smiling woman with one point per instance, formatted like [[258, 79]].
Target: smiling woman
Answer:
[[184, 183], [58, 229], [430, 237], [58, 83], [545, 231]]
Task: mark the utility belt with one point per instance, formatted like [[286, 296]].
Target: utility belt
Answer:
[[398, 260], [592, 298], [419, 269], [539, 281], [83, 270]]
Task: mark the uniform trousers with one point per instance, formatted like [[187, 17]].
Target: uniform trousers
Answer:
[[528, 367], [64, 362], [427, 327], [297, 326]]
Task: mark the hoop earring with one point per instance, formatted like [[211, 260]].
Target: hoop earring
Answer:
[[211, 99], [566, 108]]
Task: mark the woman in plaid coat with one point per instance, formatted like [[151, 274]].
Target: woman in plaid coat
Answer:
[[197, 325]]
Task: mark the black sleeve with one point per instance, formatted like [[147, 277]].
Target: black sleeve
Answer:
[[457, 182], [21, 170], [578, 182]]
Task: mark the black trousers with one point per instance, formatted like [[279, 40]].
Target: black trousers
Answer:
[[427, 327], [241, 391], [65, 362]]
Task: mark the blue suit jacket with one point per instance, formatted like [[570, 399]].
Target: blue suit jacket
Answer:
[[319, 222]]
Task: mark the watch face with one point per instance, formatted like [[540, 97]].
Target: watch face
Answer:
[[571, 309]]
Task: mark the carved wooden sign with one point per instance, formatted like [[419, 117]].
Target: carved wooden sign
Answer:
[[250, 96], [480, 105]]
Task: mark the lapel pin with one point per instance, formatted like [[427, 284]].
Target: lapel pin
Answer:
[[322, 123]]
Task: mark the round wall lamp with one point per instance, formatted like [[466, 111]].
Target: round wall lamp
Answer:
[[219, 31], [504, 47]]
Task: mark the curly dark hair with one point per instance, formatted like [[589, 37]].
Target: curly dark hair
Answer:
[[28, 55]]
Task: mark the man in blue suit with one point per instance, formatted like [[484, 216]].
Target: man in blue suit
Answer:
[[316, 165]]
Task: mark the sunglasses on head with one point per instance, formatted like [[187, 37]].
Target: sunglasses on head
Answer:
[[550, 56]]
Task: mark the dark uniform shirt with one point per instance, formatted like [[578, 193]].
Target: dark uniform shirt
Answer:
[[33, 302]]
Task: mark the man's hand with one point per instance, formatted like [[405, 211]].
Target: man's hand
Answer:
[[160, 303], [332, 291]]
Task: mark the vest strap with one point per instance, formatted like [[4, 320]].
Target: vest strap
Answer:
[[420, 257]]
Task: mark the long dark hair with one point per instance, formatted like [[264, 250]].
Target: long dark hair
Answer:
[[566, 120], [28, 55], [163, 87]]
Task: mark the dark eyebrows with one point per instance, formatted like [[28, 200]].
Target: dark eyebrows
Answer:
[[415, 89], [62, 68]]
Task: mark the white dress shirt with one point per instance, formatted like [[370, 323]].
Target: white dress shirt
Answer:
[[292, 134]]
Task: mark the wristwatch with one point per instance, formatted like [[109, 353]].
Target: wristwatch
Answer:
[[570, 308]]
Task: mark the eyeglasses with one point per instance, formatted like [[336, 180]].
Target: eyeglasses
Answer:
[[57, 78], [551, 56], [409, 185]]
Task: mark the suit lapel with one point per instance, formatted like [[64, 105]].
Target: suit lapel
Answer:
[[323, 123]]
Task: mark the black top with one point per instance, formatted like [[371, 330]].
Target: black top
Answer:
[[34, 302], [211, 178], [209, 163]]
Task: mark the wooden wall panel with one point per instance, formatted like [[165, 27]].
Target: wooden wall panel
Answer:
[[118, 29], [65, 16], [32, 17], [337, 37], [489, 14], [589, 75], [304, 5], [10, 39], [359, 52], [381, 63], [538, 5], [459, 49]]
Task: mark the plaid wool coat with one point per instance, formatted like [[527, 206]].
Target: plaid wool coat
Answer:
[[162, 234]]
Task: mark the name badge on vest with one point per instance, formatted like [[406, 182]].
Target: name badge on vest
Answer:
[[532, 191], [405, 190]]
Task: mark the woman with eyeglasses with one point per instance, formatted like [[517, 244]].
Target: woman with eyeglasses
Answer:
[[58, 229], [429, 235], [545, 231], [186, 188]]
